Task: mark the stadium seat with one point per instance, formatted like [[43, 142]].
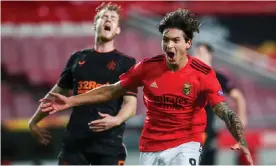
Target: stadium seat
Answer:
[[6, 100], [11, 54], [31, 60], [24, 105]]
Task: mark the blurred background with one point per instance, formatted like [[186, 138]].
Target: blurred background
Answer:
[[37, 39]]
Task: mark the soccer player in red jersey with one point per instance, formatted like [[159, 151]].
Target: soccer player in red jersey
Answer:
[[177, 87]]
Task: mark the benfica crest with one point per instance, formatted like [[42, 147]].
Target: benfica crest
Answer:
[[187, 89]]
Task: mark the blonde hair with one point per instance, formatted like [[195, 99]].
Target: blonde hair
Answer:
[[108, 6]]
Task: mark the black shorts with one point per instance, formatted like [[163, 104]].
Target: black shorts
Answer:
[[82, 158]]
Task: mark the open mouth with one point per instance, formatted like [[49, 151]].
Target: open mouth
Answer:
[[170, 54], [107, 28]]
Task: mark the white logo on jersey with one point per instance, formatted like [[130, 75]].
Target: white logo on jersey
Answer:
[[154, 85]]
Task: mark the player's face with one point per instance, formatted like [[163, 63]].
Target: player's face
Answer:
[[202, 54], [107, 26], [174, 45]]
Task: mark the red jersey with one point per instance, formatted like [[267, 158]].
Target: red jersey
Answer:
[[175, 101]]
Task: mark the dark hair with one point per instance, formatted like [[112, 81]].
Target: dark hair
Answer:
[[181, 19], [108, 6], [206, 45]]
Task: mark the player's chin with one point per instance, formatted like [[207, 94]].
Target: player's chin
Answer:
[[106, 38], [171, 60]]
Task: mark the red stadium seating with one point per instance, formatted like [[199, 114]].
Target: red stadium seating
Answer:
[[42, 60]]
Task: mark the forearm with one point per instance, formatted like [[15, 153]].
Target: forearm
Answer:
[[97, 95], [240, 103], [232, 122], [128, 110], [39, 115]]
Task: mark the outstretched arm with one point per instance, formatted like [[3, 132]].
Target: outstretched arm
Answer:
[[98, 95], [128, 81], [232, 122]]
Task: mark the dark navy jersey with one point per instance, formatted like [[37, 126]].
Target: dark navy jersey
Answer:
[[226, 86], [86, 70]]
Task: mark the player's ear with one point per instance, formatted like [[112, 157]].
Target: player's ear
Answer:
[[118, 30], [188, 44]]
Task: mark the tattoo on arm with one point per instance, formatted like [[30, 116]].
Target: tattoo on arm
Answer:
[[232, 122]]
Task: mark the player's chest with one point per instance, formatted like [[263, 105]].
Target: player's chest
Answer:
[[98, 69], [184, 85]]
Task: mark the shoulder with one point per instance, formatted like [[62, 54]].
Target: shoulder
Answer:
[[125, 57], [201, 68], [126, 60], [155, 59], [80, 53], [151, 62]]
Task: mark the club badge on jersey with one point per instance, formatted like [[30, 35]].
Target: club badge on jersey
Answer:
[[187, 89]]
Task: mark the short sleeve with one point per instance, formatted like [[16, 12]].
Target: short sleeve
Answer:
[[131, 80], [128, 65], [66, 77], [212, 89], [226, 84]]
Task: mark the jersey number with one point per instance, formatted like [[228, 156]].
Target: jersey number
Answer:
[[192, 161]]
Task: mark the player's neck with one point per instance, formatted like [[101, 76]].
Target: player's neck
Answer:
[[209, 62], [182, 63], [104, 46]]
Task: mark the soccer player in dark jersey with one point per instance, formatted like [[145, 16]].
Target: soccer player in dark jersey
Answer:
[[86, 70], [176, 89], [204, 52]]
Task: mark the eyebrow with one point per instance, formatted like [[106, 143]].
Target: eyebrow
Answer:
[[165, 37]]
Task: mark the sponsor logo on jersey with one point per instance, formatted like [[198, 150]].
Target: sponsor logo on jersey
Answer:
[[168, 101], [84, 86], [81, 63]]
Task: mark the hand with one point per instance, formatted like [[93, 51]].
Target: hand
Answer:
[[106, 123], [244, 150], [42, 135], [55, 104]]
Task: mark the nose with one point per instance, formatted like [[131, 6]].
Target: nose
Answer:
[[170, 44], [108, 19]]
